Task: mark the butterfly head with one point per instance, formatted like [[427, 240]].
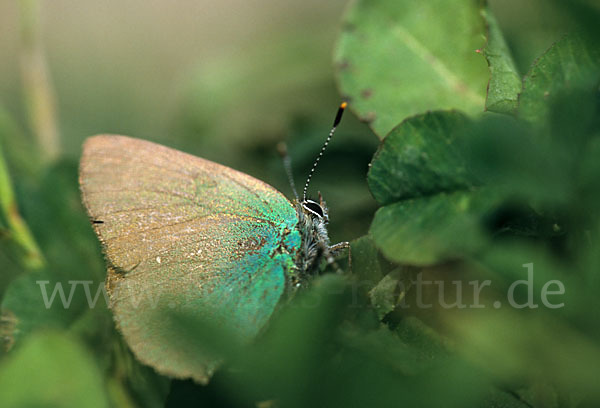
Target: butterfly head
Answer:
[[316, 210]]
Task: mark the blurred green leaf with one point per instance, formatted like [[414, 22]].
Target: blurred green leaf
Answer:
[[366, 264], [384, 296], [504, 85], [51, 370], [549, 166], [567, 64], [432, 229], [589, 261], [534, 265], [503, 399], [391, 290], [385, 348], [379, 368], [541, 395], [513, 157], [399, 58], [584, 13], [430, 197], [534, 346], [54, 210], [131, 384], [24, 299], [33, 303], [426, 343], [55, 213]]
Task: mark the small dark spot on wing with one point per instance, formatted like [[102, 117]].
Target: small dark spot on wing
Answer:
[[251, 244]]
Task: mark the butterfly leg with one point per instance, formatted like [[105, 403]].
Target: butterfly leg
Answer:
[[334, 251]]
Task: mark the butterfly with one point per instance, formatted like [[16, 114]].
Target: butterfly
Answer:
[[185, 233]]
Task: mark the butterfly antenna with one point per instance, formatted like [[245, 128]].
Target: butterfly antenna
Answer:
[[336, 121], [287, 164]]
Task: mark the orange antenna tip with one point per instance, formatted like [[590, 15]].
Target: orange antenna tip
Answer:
[[340, 111]]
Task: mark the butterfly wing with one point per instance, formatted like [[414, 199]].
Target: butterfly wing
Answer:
[[184, 233]]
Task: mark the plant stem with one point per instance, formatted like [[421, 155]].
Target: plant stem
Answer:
[[18, 231], [38, 90]]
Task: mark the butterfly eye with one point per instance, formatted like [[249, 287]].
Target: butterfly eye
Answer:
[[313, 207]]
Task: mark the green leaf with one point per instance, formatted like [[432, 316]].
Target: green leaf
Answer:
[[24, 313], [419, 158], [426, 342], [399, 58], [408, 362], [430, 197], [51, 369], [384, 296], [54, 211], [551, 166], [540, 395], [515, 260], [568, 63], [366, 262], [57, 219], [131, 384], [389, 349], [504, 85], [533, 345], [431, 229], [513, 157], [24, 300], [503, 399]]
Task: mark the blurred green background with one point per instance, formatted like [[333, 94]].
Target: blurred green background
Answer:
[[227, 81]]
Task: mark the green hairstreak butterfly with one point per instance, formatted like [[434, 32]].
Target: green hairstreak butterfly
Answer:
[[183, 232]]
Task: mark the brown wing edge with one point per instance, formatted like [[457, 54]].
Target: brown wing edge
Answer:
[[201, 375]]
